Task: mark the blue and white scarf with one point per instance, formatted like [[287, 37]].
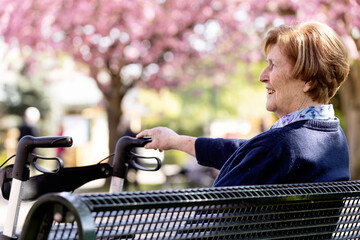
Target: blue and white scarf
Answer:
[[321, 112]]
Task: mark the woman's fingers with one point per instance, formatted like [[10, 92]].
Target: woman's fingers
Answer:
[[165, 139], [143, 133], [161, 137]]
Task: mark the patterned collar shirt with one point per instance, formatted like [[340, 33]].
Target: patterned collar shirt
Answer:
[[320, 112]]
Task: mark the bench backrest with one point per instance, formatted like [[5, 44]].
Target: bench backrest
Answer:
[[289, 211]]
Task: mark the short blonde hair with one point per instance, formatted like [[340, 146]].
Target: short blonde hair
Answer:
[[317, 53]]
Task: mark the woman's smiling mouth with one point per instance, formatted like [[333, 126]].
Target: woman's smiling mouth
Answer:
[[270, 91]]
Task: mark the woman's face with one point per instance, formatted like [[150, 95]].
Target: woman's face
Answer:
[[284, 93]]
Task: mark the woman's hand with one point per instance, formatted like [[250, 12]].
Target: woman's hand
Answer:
[[162, 138], [165, 139]]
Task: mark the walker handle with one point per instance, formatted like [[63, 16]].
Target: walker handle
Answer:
[[122, 149], [25, 147]]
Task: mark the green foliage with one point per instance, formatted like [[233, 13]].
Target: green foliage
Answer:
[[237, 96], [175, 157], [3, 156]]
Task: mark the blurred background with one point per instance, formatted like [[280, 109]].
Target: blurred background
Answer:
[[97, 70]]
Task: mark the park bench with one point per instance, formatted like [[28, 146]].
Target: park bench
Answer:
[[288, 211]]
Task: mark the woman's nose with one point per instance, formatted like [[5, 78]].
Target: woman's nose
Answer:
[[263, 76]]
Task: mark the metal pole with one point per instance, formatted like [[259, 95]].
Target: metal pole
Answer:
[[116, 185], [13, 207]]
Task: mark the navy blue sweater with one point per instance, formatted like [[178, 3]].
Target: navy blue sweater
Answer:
[[304, 151]]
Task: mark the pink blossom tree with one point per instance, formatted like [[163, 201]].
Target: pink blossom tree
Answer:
[[122, 42]]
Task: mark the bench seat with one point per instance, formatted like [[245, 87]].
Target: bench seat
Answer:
[[286, 211]]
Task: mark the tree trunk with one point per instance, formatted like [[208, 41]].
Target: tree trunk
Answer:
[[350, 103], [114, 98], [114, 115]]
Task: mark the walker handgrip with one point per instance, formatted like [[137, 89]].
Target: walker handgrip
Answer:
[[122, 150], [27, 144]]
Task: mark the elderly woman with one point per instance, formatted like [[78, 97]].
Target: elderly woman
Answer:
[[307, 63]]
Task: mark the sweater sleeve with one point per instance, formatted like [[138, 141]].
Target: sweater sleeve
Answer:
[[213, 152]]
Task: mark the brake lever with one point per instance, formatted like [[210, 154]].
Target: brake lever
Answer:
[[134, 156], [59, 161]]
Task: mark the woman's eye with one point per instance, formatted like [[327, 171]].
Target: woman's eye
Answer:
[[270, 64]]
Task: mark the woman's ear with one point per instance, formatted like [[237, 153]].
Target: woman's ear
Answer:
[[307, 86]]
